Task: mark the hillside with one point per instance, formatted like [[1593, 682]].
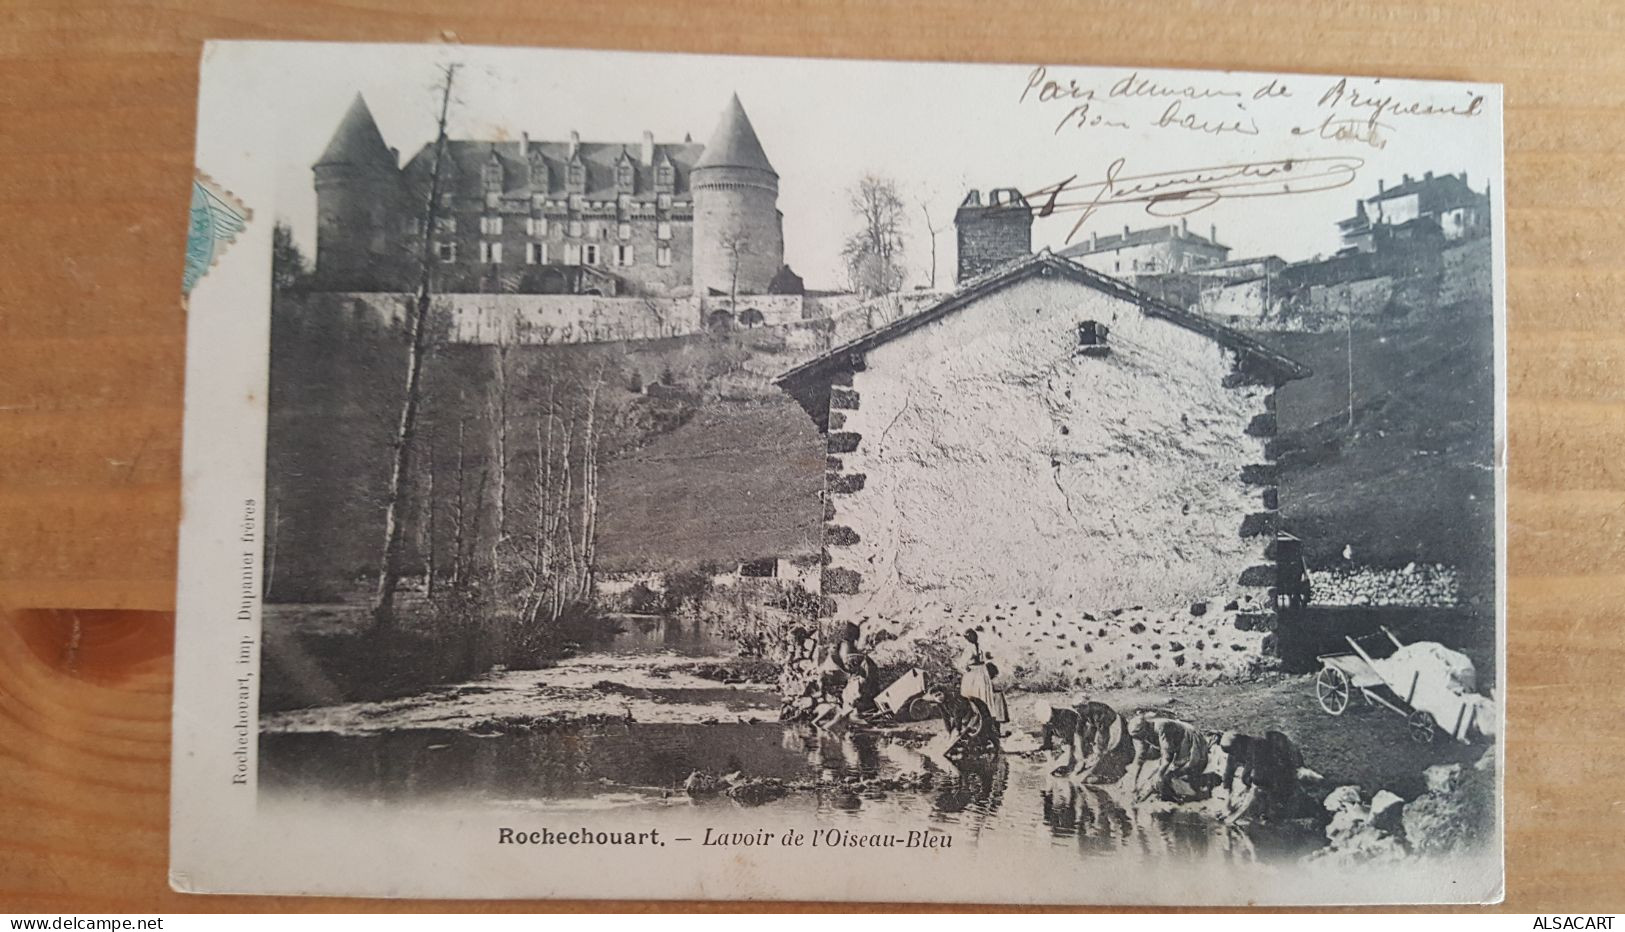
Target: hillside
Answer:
[[739, 480], [1411, 478]]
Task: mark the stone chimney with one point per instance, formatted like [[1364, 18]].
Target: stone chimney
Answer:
[[647, 156], [524, 145], [1381, 186], [1213, 233], [1094, 241], [575, 143], [992, 234], [1185, 225], [1428, 176]]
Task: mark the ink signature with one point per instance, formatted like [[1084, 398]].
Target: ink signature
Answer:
[[1178, 193]]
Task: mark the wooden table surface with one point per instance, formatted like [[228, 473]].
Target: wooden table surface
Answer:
[[96, 130]]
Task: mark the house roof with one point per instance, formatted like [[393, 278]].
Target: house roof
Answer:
[[734, 144], [470, 156], [1434, 192], [357, 140], [809, 382], [1137, 238]]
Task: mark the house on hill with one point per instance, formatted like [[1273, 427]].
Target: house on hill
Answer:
[[1444, 207], [1049, 438], [1152, 251]]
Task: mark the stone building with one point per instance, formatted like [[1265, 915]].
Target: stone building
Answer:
[[637, 218], [1152, 251], [1051, 440], [1443, 207]]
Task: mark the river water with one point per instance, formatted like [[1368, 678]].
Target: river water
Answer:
[[656, 723]]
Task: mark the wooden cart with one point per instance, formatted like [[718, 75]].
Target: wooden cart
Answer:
[[1342, 677]]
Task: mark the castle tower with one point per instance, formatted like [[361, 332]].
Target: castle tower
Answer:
[[992, 234], [357, 192], [738, 230]]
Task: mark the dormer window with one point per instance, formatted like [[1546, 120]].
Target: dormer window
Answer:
[[578, 177], [491, 175], [1092, 339], [624, 173], [665, 177], [538, 172]]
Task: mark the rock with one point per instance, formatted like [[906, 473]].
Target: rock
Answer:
[[1344, 797], [1198, 609], [1442, 778], [1387, 812]]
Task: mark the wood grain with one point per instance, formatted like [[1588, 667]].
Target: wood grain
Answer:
[[96, 130]]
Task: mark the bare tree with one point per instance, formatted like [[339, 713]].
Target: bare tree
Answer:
[[426, 527], [459, 509], [499, 397], [389, 570], [874, 251]]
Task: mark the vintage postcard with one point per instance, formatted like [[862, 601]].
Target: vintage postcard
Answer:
[[650, 476]]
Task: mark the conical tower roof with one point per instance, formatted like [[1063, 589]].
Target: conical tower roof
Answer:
[[734, 143], [357, 140]]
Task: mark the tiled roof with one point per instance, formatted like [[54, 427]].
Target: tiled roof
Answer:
[[599, 158], [734, 143], [1137, 238], [1436, 193], [357, 140], [806, 381]]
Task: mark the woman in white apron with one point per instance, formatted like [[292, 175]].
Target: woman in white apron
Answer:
[[977, 679]]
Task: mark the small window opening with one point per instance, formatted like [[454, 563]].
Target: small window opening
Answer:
[[1092, 338]]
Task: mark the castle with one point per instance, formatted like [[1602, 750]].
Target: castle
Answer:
[[635, 219]]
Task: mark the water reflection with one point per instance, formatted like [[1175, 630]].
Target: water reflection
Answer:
[[658, 634], [880, 780]]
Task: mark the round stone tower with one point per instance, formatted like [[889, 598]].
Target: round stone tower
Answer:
[[357, 193], [738, 230]]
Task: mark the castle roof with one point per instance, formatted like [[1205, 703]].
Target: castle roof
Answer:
[[809, 382], [1159, 234], [357, 141], [470, 156], [734, 143]]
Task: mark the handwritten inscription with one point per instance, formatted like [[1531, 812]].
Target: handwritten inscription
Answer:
[[1346, 111], [1183, 192]]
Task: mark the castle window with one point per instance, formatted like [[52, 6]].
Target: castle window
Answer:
[[536, 253], [663, 230], [623, 174], [1092, 338], [535, 226], [663, 175], [623, 255], [490, 252], [445, 252], [445, 224], [625, 231], [414, 226], [491, 226], [578, 176], [664, 201], [575, 227], [595, 229], [493, 177], [663, 256], [589, 254]]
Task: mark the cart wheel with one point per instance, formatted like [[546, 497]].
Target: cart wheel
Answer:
[[1332, 689], [919, 709], [1423, 728]]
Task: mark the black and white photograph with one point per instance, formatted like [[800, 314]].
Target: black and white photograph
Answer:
[[639, 475]]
